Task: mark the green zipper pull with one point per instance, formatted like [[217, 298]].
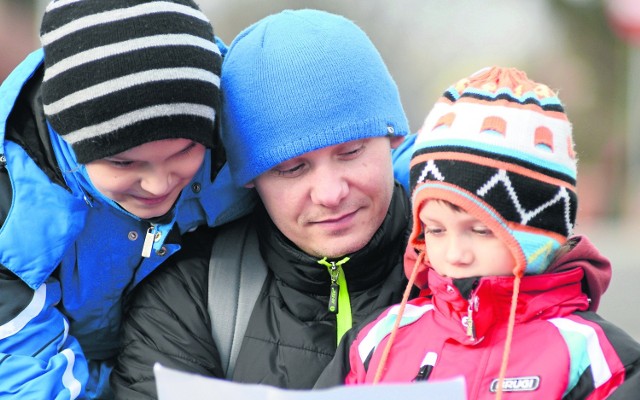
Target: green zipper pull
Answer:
[[339, 302], [333, 295]]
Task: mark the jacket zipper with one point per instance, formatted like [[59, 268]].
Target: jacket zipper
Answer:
[[471, 309], [147, 246], [339, 302]]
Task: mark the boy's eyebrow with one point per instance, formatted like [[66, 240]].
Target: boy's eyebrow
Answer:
[[188, 146], [185, 148], [125, 158]]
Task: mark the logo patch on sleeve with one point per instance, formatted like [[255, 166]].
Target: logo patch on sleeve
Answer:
[[521, 384]]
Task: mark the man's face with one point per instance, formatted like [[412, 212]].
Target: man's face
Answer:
[[331, 201]]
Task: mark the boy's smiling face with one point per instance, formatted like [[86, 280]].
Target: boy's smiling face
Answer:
[[146, 180], [459, 245]]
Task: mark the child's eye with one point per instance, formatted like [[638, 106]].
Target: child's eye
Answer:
[[433, 231], [120, 164], [482, 231]]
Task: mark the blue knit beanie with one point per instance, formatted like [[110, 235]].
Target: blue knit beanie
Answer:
[[298, 81]]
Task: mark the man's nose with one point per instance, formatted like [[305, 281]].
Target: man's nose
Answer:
[[329, 186]]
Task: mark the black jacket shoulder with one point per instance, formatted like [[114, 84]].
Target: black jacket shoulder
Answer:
[[291, 335], [166, 321]]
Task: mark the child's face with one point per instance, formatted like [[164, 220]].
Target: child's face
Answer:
[[460, 246], [146, 180]]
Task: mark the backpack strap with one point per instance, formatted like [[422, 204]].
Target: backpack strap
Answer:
[[236, 275]]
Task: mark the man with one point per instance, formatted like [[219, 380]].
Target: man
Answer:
[[310, 115]]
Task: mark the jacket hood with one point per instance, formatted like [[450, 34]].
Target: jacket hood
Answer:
[[596, 267]]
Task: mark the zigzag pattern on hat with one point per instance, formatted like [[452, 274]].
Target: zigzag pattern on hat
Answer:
[[562, 197], [529, 214]]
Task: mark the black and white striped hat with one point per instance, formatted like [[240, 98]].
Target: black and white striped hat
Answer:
[[121, 73]]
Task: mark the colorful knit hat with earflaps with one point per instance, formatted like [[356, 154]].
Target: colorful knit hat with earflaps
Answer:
[[499, 146], [121, 73]]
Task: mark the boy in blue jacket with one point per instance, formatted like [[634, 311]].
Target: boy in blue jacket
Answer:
[[108, 153]]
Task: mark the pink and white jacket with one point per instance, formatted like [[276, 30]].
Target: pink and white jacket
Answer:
[[561, 349]]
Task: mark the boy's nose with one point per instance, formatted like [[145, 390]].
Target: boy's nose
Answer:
[[458, 252], [157, 183]]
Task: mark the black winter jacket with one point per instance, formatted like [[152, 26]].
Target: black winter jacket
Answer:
[[291, 335]]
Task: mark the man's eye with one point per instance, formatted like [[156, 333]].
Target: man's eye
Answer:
[[290, 171], [352, 152]]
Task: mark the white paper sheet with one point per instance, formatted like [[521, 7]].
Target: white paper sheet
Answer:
[[177, 385]]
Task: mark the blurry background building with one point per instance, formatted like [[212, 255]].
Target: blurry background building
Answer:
[[588, 50]]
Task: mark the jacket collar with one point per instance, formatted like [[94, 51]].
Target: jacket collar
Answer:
[[489, 299], [366, 267]]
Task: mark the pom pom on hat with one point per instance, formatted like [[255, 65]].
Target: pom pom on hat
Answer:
[[119, 74], [499, 146], [298, 81]]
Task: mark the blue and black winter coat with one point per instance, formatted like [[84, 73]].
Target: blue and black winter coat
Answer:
[[69, 256]]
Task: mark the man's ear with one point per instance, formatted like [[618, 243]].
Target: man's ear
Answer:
[[396, 141], [250, 185]]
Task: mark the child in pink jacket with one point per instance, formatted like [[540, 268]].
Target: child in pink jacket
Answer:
[[508, 295]]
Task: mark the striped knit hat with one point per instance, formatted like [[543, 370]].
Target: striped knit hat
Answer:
[[302, 80], [499, 146], [120, 73]]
